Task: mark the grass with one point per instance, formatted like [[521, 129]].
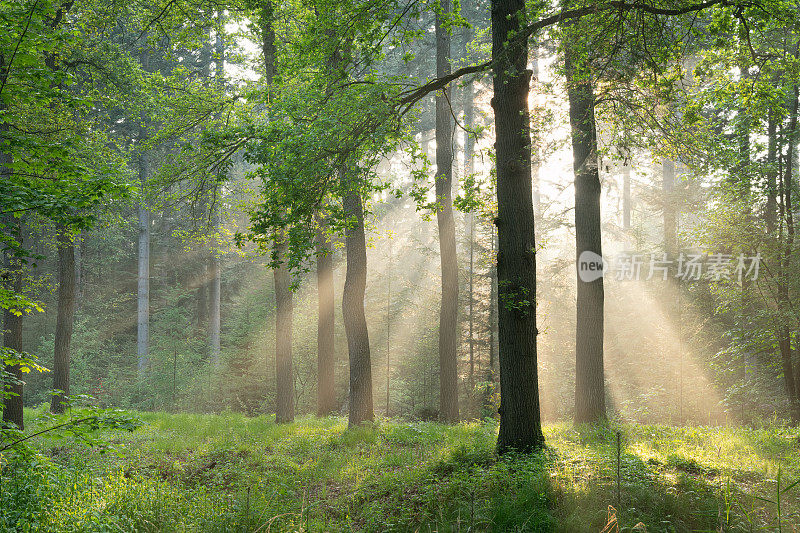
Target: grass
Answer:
[[227, 472]]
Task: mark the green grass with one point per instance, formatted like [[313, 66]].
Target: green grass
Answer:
[[231, 473]]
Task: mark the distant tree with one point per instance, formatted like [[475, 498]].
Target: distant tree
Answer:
[[448, 316]]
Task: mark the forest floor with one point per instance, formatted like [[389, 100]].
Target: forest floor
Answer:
[[182, 472]]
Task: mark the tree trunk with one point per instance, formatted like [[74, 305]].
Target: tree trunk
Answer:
[[536, 152], [355, 321], [284, 401], [143, 298], [64, 320], [520, 422], [448, 316], [670, 216], [589, 379], [12, 339], [492, 307], [388, 324], [214, 318], [786, 188], [326, 347], [626, 195], [772, 175]]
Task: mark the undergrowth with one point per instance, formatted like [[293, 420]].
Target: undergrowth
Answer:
[[231, 473]]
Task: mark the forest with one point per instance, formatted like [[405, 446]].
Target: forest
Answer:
[[400, 265]]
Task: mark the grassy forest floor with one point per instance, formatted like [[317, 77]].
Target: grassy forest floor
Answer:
[[232, 473]]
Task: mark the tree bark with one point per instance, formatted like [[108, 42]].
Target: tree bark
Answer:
[[284, 402], [520, 422], [215, 282], [589, 378], [791, 381], [626, 195], [214, 308], [771, 206], [64, 319], [670, 216], [355, 321], [326, 347], [12, 339], [143, 289], [448, 315]]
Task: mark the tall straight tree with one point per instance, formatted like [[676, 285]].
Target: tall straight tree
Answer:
[[284, 377], [64, 320], [589, 373], [143, 275], [326, 355], [448, 315], [215, 278], [520, 422]]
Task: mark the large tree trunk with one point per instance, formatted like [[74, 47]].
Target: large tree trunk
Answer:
[[284, 402], [143, 289], [326, 347], [448, 315], [64, 319], [355, 321], [520, 422], [589, 379]]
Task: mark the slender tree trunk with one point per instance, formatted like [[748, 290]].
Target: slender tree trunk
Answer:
[[143, 298], [469, 168], [670, 217], [214, 308], [448, 316], [492, 307], [536, 151], [789, 371], [520, 422], [12, 339], [471, 302], [589, 378], [326, 348], [284, 410], [772, 175], [215, 282], [64, 320], [626, 195], [12, 324], [79, 240], [355, 320], [388, 324]]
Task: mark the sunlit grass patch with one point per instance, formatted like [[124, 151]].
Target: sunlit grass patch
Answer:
[[232, 473]]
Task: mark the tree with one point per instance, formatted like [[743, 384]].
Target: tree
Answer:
[[65, 320], [520, 423], [326, 354], [12, 340], [589, 376], [448, 316]]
